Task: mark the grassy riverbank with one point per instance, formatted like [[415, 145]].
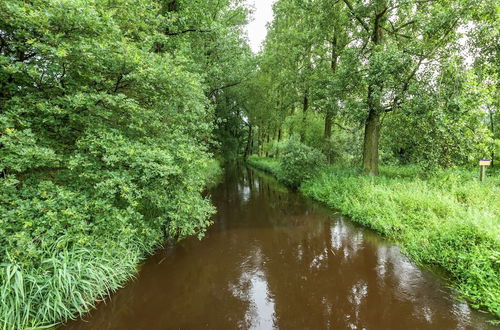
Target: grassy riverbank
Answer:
[[57, 264], [448, 219]]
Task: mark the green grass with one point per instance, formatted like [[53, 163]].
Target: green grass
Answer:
[[448, 219], [269, 165], [67, 284]]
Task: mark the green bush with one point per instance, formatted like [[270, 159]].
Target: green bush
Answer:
[[299, 162], [103, 152]]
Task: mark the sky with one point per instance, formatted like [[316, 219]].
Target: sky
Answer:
[[256, 29]]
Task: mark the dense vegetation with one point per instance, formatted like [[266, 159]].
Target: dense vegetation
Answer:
[[401, 82], [106, 116], [111, 113]]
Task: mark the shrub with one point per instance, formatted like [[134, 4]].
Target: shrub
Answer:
[[299, 163]]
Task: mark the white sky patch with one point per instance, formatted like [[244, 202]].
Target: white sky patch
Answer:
[[257, 29]]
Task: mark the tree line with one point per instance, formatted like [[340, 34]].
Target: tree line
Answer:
[[397, 81]]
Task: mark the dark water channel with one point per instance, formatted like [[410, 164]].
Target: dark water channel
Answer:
[[274, 259]]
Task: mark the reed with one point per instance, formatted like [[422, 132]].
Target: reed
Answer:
[[67, 284]]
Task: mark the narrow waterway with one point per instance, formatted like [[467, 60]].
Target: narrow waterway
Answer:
[[274, 259]]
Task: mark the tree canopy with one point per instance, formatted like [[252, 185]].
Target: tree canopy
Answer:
[[401, 81], [107, 112]]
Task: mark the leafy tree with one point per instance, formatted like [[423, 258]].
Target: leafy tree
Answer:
[[399, 62], [106, 120]]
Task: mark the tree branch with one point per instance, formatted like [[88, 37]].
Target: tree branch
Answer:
[[398, 100], [404, 25], [363, 24], [350, 130], [186, 31], [223, 87]]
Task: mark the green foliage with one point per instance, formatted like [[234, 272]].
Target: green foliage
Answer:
[[443, 126], [213, 172], [209, 35], [110, 112], [299, 162], [296, 163], [269, 165], [425, 76], [64, 284], [422, 77], [104, 139]]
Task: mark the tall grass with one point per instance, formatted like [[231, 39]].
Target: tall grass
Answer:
[[270, 165], [447, 218], [67, 284]]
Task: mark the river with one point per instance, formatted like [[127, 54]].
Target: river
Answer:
[[274, 259]]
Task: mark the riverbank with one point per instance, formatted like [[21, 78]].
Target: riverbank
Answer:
[[58, 264], [448, 220], [269, 253]]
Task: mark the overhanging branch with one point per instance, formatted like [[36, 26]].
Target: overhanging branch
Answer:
[[223, 87]]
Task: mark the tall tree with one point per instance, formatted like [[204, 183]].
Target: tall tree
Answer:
[[397, 41]]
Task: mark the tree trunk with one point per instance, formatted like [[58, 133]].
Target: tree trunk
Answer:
[[492, 128], [172, 5], [371, 144], [328, 124], [329, 112], [372, 123], [305, 106], [260, 142], [267, 146], [249, 142]]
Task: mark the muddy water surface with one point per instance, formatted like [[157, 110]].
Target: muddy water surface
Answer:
[[274, 259]]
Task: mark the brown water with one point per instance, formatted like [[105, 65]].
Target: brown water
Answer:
[[274, 259]]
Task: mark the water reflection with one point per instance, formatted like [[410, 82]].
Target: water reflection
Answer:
[[275, 260], [252, 288]]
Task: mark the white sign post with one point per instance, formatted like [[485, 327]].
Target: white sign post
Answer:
[[482, 165]]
